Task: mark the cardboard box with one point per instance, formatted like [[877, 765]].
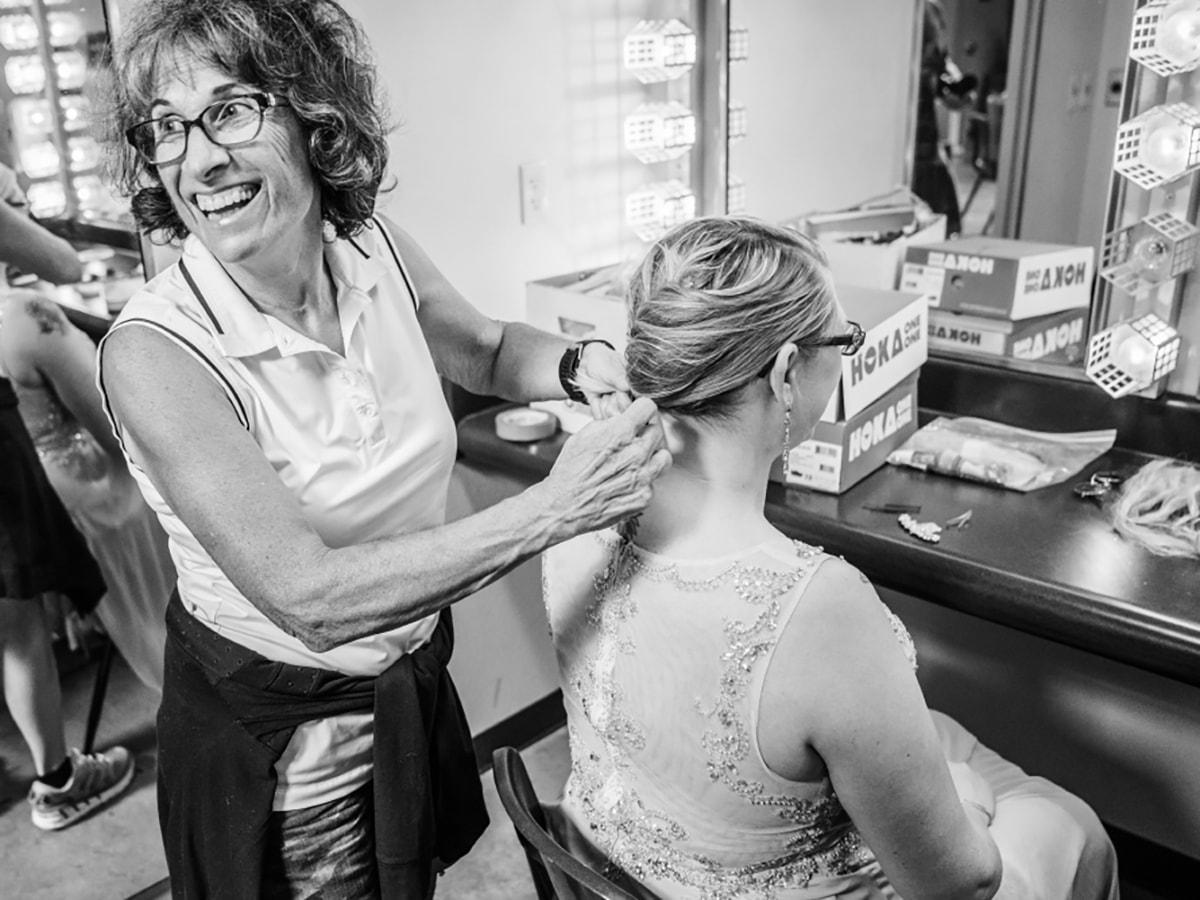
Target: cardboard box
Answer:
[[1000, 278], [848, 241], [896, 345], [586, 304], [841, 454], [1060, 337]]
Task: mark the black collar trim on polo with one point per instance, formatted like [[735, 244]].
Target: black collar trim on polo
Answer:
[[387, 239], [362, 252], [187, 276]]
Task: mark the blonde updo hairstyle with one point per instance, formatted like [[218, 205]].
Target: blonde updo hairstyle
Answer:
[[711, 304]]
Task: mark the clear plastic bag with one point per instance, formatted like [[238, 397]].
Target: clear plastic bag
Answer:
[[994, 453]]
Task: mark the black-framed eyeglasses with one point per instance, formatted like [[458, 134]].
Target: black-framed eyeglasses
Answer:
[[227, 123], [850, 342]]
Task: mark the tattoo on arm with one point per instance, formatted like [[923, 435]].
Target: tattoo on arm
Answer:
[[48, 318]]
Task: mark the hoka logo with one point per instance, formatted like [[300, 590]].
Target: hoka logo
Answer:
[[1049, 341], [1055, 277], [962, 262], [880, 427], [881, 350], [955, 335]]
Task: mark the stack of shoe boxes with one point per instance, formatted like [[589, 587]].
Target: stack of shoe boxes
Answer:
[[1001, 298], [874, 407]]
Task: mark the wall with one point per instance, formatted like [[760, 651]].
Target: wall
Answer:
[[481, 87], [1122, 739], [503, 660], [827, 95], [1112, 56], [1060, 135]]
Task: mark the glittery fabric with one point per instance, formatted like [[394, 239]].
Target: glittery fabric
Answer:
[[62, 444], [662, 666]]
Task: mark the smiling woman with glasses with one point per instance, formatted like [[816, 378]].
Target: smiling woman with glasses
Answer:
[[278, 393]]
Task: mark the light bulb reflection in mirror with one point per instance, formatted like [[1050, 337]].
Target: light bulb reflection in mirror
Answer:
[[1135, 357], [1179, 32], [1150, 259], [1165, 146]]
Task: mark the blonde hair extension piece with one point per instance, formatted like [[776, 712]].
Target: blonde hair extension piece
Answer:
[[1159, 508]]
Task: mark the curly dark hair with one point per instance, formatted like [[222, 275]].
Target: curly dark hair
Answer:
[[310, 51]]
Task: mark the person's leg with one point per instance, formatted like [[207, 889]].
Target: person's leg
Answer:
[[31, 688], [68, 787], [325, 851], [1052, 843]]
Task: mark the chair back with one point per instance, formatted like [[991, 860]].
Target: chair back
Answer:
[[556, 873]]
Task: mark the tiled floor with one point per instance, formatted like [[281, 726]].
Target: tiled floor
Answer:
[[115, 854]]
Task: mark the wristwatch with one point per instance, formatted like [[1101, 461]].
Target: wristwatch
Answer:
[[568, 368]]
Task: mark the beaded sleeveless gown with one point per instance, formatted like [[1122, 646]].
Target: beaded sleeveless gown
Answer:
[[666, 777], [662, 664]]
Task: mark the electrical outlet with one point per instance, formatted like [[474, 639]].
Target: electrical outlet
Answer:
[[534, 195], [1114, 85]]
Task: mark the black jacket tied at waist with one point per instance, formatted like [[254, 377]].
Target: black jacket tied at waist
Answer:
[[227, 715]]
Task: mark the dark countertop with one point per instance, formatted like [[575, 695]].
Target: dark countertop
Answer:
[[1045, 562]]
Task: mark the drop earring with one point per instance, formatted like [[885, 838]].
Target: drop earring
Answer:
[[787, 432]]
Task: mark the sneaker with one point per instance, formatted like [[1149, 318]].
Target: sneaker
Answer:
[[96, 779]]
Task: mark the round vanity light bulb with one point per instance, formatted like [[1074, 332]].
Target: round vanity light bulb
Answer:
[[1135, 357], [1165, 146], [1150, 258], [1179, 32]]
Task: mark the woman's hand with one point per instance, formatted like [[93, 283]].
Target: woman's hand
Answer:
[[601, 377], [605, 472]]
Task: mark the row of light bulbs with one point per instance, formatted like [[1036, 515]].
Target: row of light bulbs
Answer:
[[1153, 148], [33, 116], [657, 51]]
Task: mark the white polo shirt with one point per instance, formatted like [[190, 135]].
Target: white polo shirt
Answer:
[[365, 442]]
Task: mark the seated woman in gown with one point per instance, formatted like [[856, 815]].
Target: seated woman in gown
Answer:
[[743, 711], [52, 365]]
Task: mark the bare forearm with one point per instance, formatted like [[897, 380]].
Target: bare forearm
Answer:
[[32, 248], [329, 597], [526, 364]]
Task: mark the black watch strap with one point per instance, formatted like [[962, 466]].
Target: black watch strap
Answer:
[[568, 368]]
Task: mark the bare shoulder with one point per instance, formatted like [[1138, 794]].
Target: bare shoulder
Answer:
[[146, 375], [139, 358], [839, 636]]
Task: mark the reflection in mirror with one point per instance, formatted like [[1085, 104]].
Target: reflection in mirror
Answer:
[[825, 93], [962, 69], [1028, 138]]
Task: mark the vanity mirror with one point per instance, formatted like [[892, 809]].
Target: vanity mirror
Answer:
[[1044, 88]]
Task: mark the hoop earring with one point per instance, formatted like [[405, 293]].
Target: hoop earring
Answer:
[[787, 435]]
